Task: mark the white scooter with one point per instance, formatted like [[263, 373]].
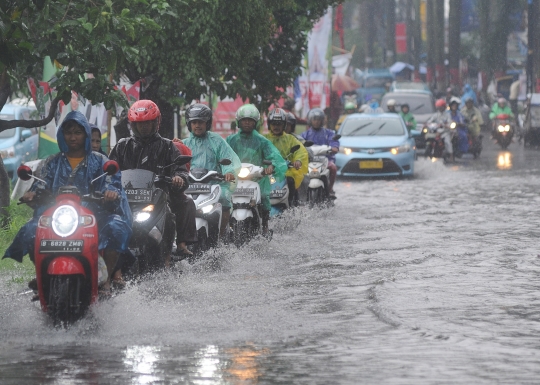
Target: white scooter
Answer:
[[246, 221], [319, 174], [209, 211]]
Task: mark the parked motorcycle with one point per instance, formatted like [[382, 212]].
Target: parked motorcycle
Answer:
[[504, 130], [69, 268], [246, 221], [209, 211], [154, 224]]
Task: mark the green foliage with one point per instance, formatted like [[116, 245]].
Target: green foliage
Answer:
[[19, 215]]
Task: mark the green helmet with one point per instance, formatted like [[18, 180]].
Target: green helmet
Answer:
[[350, 106], [247, 111]]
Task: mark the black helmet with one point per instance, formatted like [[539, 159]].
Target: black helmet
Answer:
[[315, 113], [277, 115], [405, 105], [291, 119], [199, 111]]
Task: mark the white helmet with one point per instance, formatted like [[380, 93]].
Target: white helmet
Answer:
[[391, 102]]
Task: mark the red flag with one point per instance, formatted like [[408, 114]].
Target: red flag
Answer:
[[338, 24]]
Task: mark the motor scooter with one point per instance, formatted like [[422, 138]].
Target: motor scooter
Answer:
[[434, 141], [209, 211], [69, 268], [246, 220], [154, 225], [279, 193], [504, 130]]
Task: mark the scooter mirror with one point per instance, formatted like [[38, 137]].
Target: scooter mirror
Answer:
[[267, 162], [111, 167], [182, 159], [24, 172], [308, 143], [225, 162], [295, 148], [336, 137]]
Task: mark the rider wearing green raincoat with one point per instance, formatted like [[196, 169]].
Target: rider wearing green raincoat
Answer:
[[208, 148], [252, 147]]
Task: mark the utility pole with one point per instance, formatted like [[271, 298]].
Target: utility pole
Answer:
[[531, 44]]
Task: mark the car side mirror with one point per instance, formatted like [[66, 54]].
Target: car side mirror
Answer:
[[25, 134], [225, 162], [267, 162], [111, 167], [24, 172], [295, 148]]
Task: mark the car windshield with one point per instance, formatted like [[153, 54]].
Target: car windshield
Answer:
[[371, 127], [7, 133], [418, 104], [376, 82], [409, 86]]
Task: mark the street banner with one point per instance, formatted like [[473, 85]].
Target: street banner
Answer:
[[340, 63], [314, 81]]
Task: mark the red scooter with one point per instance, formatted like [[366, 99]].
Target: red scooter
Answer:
[[66, 252]]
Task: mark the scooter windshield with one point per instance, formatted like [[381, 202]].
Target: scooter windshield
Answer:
[[138, 185]]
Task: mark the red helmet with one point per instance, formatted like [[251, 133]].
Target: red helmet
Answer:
[[440, 103], [144, 110]]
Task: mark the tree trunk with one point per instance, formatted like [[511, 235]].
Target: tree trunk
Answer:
[[440, 69], [152, 92], [454, 39], [431, 43], [4, 195], [390, 35]]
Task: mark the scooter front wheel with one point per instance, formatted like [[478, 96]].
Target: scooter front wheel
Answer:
[[240, 232], [200, 247], [65, 302]]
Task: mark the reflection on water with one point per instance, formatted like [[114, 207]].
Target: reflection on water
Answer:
[[244, 367], [505, 161], [208, 365], [141, 360]]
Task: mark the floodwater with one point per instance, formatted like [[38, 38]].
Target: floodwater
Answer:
[[426, 281]]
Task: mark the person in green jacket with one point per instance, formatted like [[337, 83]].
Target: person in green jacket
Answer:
[[208, 148], [499, 108], [408, 118], [284, 142], [252, 147]]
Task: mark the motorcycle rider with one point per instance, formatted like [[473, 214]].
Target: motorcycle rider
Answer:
[[277, 119], [408, 117], [500, 108], [208, 148], [468, 92], [252, 147], [442, 118], [457, 117], [147, 150], [391, 105], [77, 165], [474, 116], [350, 108], [323, 136]]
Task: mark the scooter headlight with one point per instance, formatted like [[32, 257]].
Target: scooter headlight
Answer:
[[500, 128], [453, 125], [507, 128], [142, 216], [272, 180], [206, 209], [244, 172], [65, 220]]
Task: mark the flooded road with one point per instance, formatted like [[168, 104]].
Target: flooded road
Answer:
[[430, 280]]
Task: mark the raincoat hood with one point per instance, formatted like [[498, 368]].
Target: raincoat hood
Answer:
[[80, 119]]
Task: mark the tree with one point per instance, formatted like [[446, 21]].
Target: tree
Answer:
[[83, 36]]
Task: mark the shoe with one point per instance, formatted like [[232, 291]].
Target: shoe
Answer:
[[33, 284], [35, 298], [118, 284], [269, 234]]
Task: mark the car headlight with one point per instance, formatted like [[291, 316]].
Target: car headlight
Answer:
[[7, 152], [142, 216], [346, 150], [244, 172], [65, 220], [400, 149]]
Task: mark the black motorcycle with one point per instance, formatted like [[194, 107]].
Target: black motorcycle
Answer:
[[154, 225]]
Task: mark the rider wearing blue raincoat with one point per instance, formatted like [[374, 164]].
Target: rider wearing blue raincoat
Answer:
[[113, 217], [468, 92], [208, 148], [252, 147]]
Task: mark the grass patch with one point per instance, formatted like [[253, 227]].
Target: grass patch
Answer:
[[20, 272]]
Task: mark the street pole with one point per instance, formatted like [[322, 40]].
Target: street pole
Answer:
[[531, 44]]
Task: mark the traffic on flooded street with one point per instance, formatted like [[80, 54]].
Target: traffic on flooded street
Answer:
[[407, 281]]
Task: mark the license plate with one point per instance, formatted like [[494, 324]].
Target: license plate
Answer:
[[139, 194], [365, 164], [57, 246], [277, 193], [198, 188], [244, 191]]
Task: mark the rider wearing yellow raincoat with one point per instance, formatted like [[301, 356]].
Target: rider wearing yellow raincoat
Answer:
[[284, 143]]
